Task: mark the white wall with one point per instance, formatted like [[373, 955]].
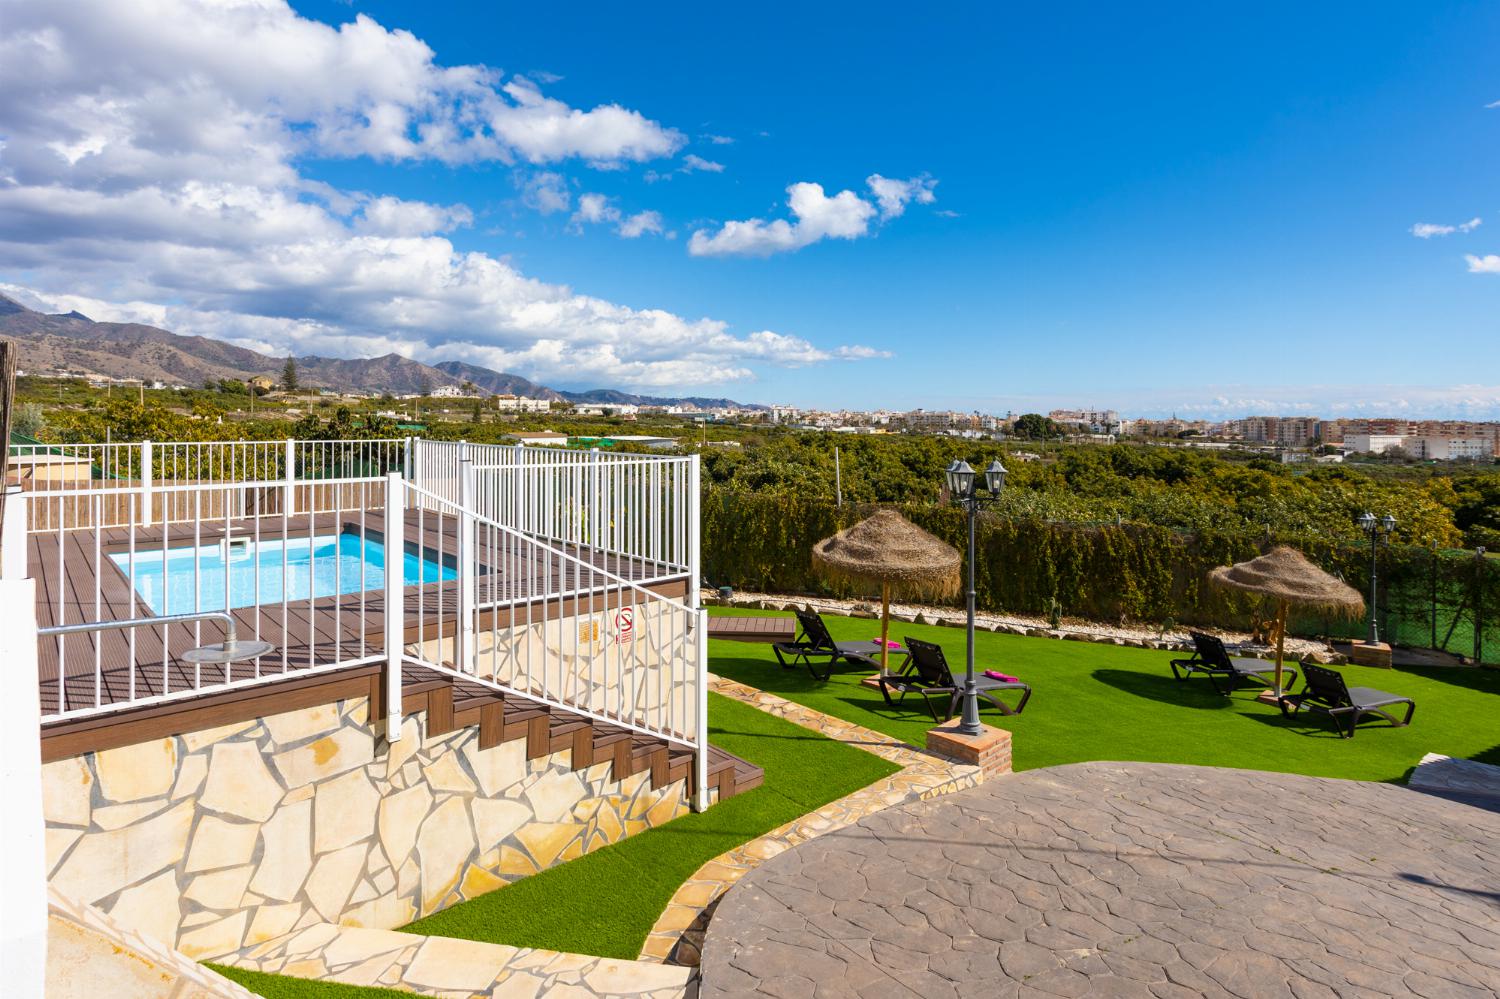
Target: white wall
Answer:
[[23, 874]]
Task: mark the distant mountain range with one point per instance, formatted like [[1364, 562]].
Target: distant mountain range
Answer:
[[75, 343]]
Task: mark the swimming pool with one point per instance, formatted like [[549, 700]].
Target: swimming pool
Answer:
[[300, 567]]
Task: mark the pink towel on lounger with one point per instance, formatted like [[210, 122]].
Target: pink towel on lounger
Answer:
[[1002, 677]]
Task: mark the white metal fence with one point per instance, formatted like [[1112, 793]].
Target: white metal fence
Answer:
[[526, 617], [635, 506], [517, 568], [298, 580], [300, 475]]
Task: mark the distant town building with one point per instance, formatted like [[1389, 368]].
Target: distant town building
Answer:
[[1440, 440], [1449, 448], [1288, 431], [1374, 443], [1098, 421], [521, 404]]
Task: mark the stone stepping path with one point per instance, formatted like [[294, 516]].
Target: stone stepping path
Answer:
[[444, 966], [1129, 880]]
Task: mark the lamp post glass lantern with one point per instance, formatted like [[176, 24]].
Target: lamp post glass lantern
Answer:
[[961, 485], [1379, 529]]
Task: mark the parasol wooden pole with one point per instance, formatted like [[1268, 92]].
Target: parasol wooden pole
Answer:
[[885, 627], [1281, 612]]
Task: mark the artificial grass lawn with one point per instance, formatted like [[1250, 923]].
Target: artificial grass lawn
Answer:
[[1108, 702], [606, 902], [286, 987]]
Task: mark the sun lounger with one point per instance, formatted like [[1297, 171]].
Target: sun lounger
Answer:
[[1214, 661], [928, 674], [815, 646], [1327, 692]]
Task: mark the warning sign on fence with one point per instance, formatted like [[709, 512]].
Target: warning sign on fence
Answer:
[[625, 624]]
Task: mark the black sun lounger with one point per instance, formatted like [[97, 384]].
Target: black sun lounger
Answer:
[[1327, 692], [815, 645], [1214, 661], [928, 674]]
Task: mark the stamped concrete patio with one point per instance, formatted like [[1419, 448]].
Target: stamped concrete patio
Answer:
[[1109, 879]]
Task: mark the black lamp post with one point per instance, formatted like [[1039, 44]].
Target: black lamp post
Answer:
[[1379, 530], [961, 485]]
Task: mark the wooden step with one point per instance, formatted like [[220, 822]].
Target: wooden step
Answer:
[[453, 702]]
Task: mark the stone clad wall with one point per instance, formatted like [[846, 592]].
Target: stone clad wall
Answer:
[[216, 840]]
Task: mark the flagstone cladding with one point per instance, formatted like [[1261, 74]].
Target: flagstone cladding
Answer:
[[224, 839]]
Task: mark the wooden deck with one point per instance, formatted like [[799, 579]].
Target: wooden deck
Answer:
[[306, 633], [753, 627]]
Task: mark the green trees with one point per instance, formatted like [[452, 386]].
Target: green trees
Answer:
[[1177, 488], [1036, 427], [289, 374]]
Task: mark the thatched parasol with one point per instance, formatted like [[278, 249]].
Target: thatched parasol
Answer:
[[1286, 576], [892, 552]]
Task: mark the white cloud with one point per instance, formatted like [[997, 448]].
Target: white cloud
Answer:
[[1332, 401], [387, 216], [1427, 230], [545, 191], [718, 140], [1487, 264], [1493, 104], [846, 215], [893, 195], [594, 209], [691, 163], [117, 88], [153, 166], [639, 224]]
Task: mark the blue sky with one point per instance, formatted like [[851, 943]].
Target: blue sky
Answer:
[[1178, 209]]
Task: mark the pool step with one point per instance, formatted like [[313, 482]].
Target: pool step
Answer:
[[453, 703]]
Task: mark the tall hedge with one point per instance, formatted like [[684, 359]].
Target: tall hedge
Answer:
[[1112, 572]]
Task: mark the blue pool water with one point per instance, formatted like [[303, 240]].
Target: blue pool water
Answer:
[[316, 567]]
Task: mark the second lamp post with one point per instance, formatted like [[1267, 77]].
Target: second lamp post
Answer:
[[961, 486], [1379, 530]]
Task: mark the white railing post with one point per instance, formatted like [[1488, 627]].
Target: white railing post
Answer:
[[146, 474], [23, 876], [395, 603], [289, 491], [13, 534], [465, 655], [406, 461], [595, 500], [699, 625]]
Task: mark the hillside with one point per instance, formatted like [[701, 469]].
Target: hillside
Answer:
[[498, 382]]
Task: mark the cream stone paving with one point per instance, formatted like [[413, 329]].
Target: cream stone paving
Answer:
[[90, 955], [677, 937], [443, 966]]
